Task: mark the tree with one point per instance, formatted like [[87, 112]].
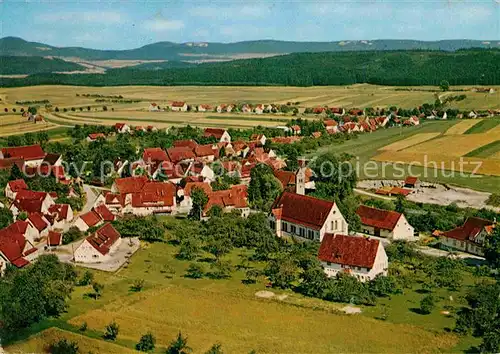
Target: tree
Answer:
[[220, 269], [427, 304], [492, 248], [98, 288], [6, 217], [195, 271], [63, 346], [263, 188], [189, 248], [282, 272], [71, 235], [444, 85], [138, 285], [179, 346], [146, 343], [491, 342], [111, 331], [15, 173], [104, 108], [200, 200], [32, 110], [215, 349]]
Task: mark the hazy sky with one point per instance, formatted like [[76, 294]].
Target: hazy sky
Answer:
[[129, 24]]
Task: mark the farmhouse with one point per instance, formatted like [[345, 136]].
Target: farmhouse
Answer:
[[32, 155], [305, 217], [15, 249], [24, 228], [154, 155], [470, 237], [122, 128], [204, 108], [220, 134], [128, 184], [98, 247], [385, 223], [15, 186], [331, 126], [153, 198], [153, 107], [185, 194], [40, 223], [360, 257], [180, 154], [178, 106], [205, 152]]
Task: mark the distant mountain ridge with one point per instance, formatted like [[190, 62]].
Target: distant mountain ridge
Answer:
[[13, 46]]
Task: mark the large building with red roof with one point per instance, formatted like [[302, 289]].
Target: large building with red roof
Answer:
[[32, 155], [306, 217], [385, 223], [99, 246], [470, 237], [15, 247], [360, 257], [13, 187]]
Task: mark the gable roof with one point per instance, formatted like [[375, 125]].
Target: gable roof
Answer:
[[177, 154], [17, 185], [178, 104], [9, 162], [155, 193], [185, 143], [95, 136], [130, 184], [37, 220], [54, 238], [207, 188], [204, 150], [12, 245], [215, 132], [91, 218], [30, 152], [51, 159], [470, 229], [348, 250], [104, 238], [304, 210], [411, 180], [103, 212], [382, 219], [235, 197], [286, 178], [155, 154], [59, 210]]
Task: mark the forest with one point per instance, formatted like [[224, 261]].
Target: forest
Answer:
[[397, 68]]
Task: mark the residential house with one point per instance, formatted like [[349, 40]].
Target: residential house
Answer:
[[296, 129], [122, 128], [179, 106], [205, 152], [30, 202], [306, 217], [185, 193], [338, 111], [204, 108], [258, 138], [95, 217], [32, 155], [128, 184], [95, 136], [13, 187], [39, 223], [331, 126], [60, 214], [54, 239], [220, 134], [470, 237], [259, 109], [24, 228], [153, 107], [201, 169], [15, 249], [228, 200], [246, 108], [411, 182], [180, 154], [316, 135], [360, 257], [153, 198], [190, 143], [98, 247], [385, 223]]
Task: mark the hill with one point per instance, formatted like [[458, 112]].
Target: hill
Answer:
[[464, 67], [188, 51], [10, 65]]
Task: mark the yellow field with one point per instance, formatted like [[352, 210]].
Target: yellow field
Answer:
[[44, 339], [263, 325], [413, 140], [441, 161], [454, 145], [495, 130], [462, 126], [496, 156]]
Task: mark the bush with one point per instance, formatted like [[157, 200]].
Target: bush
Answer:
[[87, 278], [111, 331], [71, 235], [494, 200], [63, 346], [195, 271], [427, 304], [146, 343], [83, 327], [138, 285]]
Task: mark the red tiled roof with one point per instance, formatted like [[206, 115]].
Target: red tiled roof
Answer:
[[113, 199], [9, 162], [95, 136], [192, 185], [330, 123], [411, 180], [316, 135], [60, 210], [304, 210], [104, 238], [104, 213], [235, 197], [119, 126], [20, 262], [178, 154], [178, 104], [130, 184], [54, 238], [204, 150], [37, 221], [286, 178], [17, 185], [29, 205], [295, 128], [382, 219], [190, 143], [91, 218], [19, 227], [155, 154], [215, 132], [470, 229], [154, 194], [30, 152], [348, 250]]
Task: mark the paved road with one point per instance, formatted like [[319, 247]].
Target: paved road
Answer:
[[90, 200]]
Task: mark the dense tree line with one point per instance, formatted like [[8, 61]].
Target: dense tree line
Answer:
[[398, 68]]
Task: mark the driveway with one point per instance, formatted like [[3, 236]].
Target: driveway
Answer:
[[90, 199]]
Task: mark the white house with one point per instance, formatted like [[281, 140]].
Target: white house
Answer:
[[32, 155], [39, 222], [95, 217], [153, 107], [98, 247], [259, 138], [178, 106], [306, 217], [470, 237], [185, 193], [331, 126], [359, 257], [31, 202], [221, 135], [259, 109], [15, 249], [204, 108], [13, 187], [385, 223], [122, 128]]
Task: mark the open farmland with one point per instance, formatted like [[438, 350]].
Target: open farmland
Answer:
[[413, 140], [463, 126]]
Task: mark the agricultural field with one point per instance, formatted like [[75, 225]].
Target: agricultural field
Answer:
[[463, 126], [413, 140], [230, 313]]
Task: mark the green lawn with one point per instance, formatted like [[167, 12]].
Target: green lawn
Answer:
[[366, 146], [486, 150], [483, 126]]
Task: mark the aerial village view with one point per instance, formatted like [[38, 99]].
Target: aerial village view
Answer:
[[249, 177]]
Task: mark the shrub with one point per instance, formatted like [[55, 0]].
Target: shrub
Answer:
[[146, 343], [63, 346], [195, 271], [87, 278], [111, 331], [427, 304]]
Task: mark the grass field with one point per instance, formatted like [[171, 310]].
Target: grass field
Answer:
[[483, 126], [226, 311], [413, 140]]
